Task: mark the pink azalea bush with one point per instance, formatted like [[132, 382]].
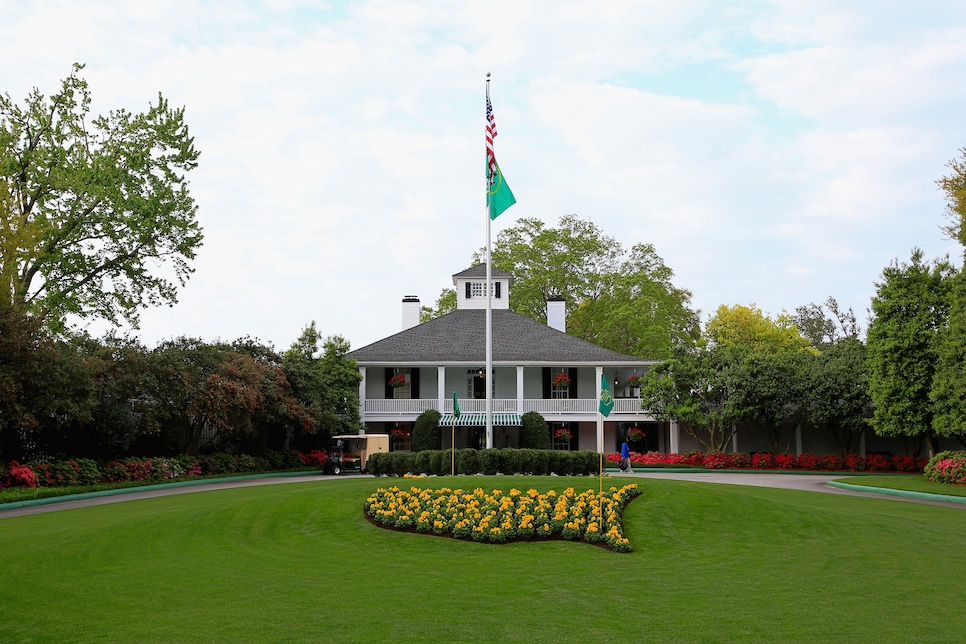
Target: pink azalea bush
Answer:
[[947, 467]]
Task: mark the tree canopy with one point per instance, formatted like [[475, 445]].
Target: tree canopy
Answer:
[[910, 311], [96, 220], [618, 299]]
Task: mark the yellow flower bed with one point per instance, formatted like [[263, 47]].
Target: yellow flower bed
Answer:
[[498, 517]]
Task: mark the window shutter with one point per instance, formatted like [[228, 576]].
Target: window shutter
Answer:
[[546, 383], [496, 287], [414, 383], [385, 382], [468, 291], [572, 390]]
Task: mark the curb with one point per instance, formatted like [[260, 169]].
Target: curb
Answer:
[[50, 500], [908, 494]]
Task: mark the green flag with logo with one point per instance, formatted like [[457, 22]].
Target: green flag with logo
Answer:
[[498, 194], [456, 406], [606, 399]]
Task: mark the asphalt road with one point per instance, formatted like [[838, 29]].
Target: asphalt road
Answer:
[[805, 482]]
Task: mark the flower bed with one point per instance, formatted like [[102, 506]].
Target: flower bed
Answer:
[[497, 517], [767, 461], [81, 472]]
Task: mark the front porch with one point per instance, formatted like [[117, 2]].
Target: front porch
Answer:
[[553, 410]]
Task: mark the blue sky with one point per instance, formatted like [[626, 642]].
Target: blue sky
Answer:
[[774, 153]]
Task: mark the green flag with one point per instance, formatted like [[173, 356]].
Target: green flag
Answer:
[[498, 195], [606, 399], [456, 406]]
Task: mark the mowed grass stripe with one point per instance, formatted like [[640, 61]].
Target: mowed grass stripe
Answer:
[[299, 562]]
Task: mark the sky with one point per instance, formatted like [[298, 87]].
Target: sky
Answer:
[[775, 153]]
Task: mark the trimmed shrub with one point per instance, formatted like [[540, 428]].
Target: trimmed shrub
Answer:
[[467, 461], [440, 462], [511, 461], [535, 432], [426, 434], [421, 463], [489, 461], [762, 461]]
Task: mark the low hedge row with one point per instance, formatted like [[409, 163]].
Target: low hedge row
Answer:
[[486, 461], [947, 467], [83, 471], [767, 461]]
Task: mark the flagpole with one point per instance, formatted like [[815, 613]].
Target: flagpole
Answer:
[[489, 313]]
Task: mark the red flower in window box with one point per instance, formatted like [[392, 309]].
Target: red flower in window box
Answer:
[[398, 380], [635, 434], [562, 435], [398, 433], [562, 381]]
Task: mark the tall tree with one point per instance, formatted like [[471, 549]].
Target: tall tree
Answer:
[[839, 397], [569, 261], [948, 393], [910, 309], [748, 327], [638, 311], [693, 389], [954, 185], [90, 209]]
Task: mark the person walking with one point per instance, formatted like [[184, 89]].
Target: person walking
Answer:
[[626, 457]]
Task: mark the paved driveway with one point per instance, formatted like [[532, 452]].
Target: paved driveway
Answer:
[[817, 482]]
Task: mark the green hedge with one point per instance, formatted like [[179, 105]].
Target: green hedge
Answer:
[[487, 461]]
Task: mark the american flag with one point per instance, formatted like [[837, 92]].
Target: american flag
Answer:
[[490, 135]]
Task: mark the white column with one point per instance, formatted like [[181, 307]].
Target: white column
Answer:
[[675, 438], [362, 395], [441, 388], [520, 390], [600, 417]]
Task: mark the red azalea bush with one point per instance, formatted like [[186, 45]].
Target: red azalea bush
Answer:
[[768, 461], [315, 458], [762, 461], [809, 462], [725, 461], [19, 476]]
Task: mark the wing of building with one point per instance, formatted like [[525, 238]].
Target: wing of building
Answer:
[[536, 367]]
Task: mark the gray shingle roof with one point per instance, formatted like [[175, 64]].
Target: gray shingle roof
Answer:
[[480, 271], [460, 336]]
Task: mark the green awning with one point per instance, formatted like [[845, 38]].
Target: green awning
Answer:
[[479, 420]]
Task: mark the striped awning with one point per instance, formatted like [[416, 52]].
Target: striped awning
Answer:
[[479, 420]]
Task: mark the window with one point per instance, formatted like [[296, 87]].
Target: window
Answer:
[[559, 382], [404, 392]]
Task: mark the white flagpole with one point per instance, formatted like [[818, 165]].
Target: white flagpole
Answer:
[[489, 311]]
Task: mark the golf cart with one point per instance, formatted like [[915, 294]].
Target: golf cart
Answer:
[[350, 452]]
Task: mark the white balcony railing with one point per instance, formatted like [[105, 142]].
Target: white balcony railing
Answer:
[[556, 407]]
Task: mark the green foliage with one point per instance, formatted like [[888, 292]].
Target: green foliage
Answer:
[[638, 311], [948, 393], [749, 328], [620, 300], [426, 434], [445, 303], [534, 433], [838, 397], [909, 311], [693, 389], [489, 461], [954, 186], [91, 207]]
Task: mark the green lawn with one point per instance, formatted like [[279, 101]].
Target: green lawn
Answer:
[[299, 562]]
